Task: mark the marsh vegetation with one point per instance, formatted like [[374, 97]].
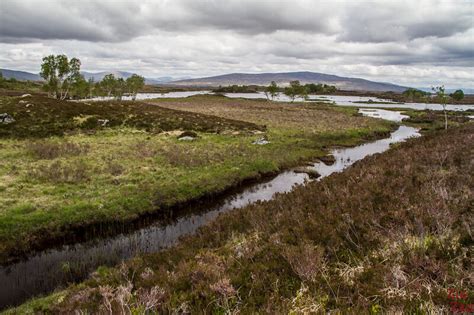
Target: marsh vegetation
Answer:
[[71, 164], [390, 234]]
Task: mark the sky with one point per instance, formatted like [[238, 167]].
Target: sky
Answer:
[[415, 43]]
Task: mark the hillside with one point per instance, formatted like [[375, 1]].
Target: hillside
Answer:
[[342, 83], [20, 75], [97, 76]]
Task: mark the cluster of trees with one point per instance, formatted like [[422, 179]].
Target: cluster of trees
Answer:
[[295, 89], [117, 87], [415, 95], [64, 81], [236, 89], [61, 75], [320, 88], [457, 95]]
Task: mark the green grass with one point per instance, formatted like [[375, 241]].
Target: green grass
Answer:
[[59, 172]]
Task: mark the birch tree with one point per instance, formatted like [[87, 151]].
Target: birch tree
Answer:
[[60, 74]]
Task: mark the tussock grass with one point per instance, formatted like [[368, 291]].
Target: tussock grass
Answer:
[[51, 150]]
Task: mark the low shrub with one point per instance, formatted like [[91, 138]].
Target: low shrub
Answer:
[[51, 150], [60, 172]]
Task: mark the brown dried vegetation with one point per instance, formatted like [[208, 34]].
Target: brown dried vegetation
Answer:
[[390, 234]]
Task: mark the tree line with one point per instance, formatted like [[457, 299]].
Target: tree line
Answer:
[[415, 95], [65, 81], [296, 89]]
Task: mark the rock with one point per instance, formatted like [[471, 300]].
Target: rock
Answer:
[[25, 95], [312, 173], [6, 119], [187, 133], [328, 159], [22, 102], [186, 138], [103, 122], [261, 141], [29, 105]]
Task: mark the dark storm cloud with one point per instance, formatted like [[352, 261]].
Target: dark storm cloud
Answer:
[[86, 21], [255, 17], [404, 21], [114, 21]]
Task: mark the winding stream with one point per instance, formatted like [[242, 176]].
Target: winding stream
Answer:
[[47, 270]]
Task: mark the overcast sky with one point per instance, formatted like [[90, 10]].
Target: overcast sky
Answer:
[[417, 43]]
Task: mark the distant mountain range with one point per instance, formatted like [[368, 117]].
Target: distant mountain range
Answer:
[[282, 79], [20, 75], [97, 76]]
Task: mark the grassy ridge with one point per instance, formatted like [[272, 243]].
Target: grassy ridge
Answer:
[[38, 116], [390, 234], [60, 168]]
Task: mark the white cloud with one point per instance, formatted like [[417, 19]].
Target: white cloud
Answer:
[[405, 42]]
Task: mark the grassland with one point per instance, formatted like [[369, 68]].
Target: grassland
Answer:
[[389, 235], [67, 165]]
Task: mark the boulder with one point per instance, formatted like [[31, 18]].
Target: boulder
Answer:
[[187, 133], [261, 141], [328, 159], [6, 119], [186, 138], [312, 173], [25, 95], [103, 122]]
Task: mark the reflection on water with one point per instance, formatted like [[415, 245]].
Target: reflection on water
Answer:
[[147, 96], [383, 114], [50, 269], [346, 157]]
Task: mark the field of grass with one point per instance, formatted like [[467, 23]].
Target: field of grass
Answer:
[[62, 167], [389, 235]]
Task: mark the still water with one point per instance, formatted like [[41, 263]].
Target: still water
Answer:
[[343, 100]]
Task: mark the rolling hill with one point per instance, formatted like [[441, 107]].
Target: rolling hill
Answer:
[[20, 75], [282, 79], [342, 83], [97, 76]]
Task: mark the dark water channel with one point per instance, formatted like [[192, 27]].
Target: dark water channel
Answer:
[[44, 271]]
